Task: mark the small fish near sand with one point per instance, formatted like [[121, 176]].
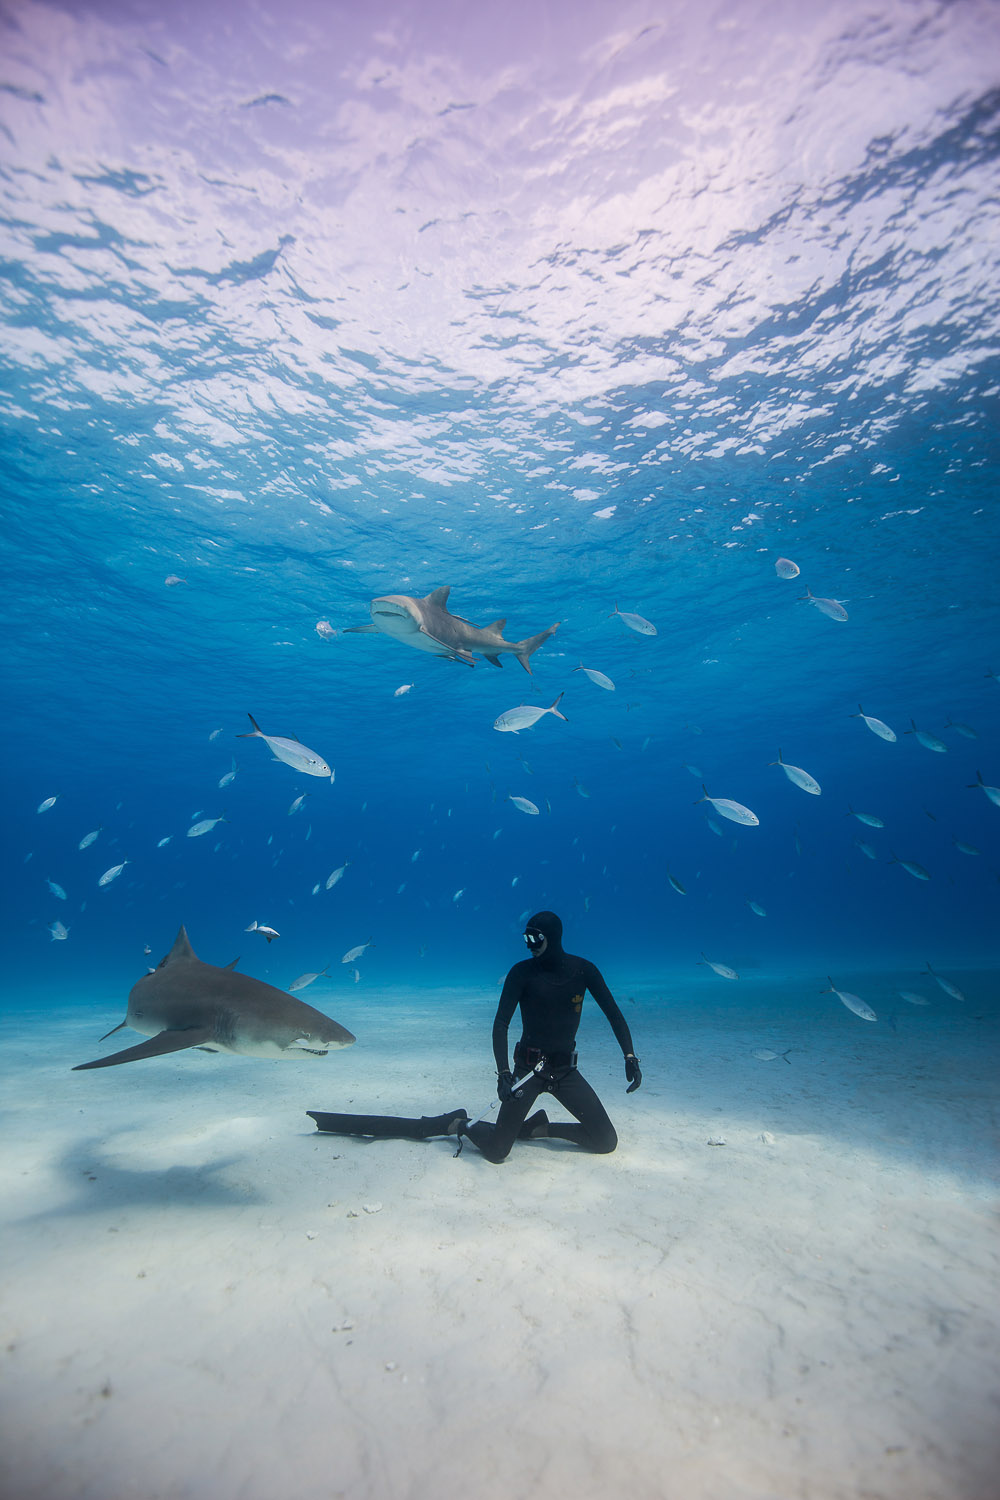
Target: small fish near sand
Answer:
[[853, 1002], [798, 777], [734, 811], [428, 625], [764, 1054], [723, 970], [184, 1003], [291, 751], [306, 979], [266, 932], [638, 623], [946, 984], [525, 716]]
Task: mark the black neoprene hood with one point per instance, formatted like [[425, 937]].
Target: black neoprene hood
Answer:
[[549, 925]]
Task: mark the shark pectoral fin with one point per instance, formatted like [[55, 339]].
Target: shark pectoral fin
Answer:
[[495, 661], [360, 630], [154, 1046]]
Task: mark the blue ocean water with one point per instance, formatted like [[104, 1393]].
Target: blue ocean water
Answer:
[[571, 309]]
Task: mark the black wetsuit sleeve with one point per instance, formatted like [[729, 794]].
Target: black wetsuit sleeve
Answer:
[[605, 999], [510, 997]]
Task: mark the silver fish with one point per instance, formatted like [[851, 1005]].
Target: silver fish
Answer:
[[911, 867], [764, 1054], [113, 873], [756, 907], [56, 890], [88, 839], [993, 792], [676, 884], [294, 754], [929, 741], [946, 984], [876, 726], [332, 879], [913, 997], [734, 811], [355, 953], [523, 805], [525, 716], [963, 729], [832, 608], [205, 826], [297, 804], [305, 979], [403, 690], [798, 777], [596, 677], [268, 932], [49, 802], [721, 969], [785, 568], [868, 818], [866, 849], [637, 623], [164, 841], [227, 779], [853, 1002], [58, 931]]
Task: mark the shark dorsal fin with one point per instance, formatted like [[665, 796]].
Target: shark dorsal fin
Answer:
[[232, 964], [498, 625], [439, 596], [181, 949]]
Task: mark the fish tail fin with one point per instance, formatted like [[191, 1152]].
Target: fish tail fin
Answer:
[[554, 709], [705, 798], [525, 648], [249, 734]]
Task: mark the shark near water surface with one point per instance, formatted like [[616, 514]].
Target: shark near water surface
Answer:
[[429, 625]]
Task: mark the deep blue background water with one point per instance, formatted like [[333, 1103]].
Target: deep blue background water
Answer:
[[568, 308]]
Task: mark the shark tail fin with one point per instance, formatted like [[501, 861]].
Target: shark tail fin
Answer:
[[525, 648]]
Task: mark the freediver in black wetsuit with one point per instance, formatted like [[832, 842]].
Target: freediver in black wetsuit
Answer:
[[549, 988]]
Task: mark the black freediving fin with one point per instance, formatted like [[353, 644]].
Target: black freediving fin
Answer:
[[154, 1046]]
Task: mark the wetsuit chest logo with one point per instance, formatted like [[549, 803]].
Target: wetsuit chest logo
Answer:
[[577, 1003]]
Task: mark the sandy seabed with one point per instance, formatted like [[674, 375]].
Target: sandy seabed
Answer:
[[203, 1297]]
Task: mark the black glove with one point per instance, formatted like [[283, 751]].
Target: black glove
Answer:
[[505, 1082], [633, 1073]]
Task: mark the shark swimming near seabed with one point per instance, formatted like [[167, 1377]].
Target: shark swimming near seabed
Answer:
[[428, 625], [186, 1003]]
